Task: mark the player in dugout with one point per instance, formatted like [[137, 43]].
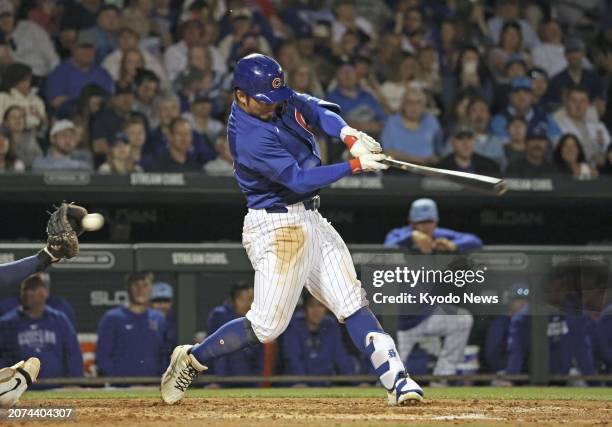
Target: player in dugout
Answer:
[[290, 244], [63, 229]]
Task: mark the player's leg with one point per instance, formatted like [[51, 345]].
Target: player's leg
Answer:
[[15, 380], [334, 282], [281, 251], [455, 328]]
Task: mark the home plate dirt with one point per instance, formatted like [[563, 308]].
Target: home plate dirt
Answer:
[[293, 411]]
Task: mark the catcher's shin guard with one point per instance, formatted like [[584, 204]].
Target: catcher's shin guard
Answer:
[[15, 380]]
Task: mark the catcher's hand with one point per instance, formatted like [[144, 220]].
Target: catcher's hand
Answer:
[[63, 230]]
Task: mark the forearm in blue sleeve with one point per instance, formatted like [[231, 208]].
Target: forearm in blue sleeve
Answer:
[[15, 272], [330, 122], [301, 180], [467, 241]]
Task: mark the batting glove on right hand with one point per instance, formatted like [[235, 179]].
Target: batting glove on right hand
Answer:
[[359, 143], [368, 163]]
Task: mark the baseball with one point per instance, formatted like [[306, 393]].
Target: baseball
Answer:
[[92, 222]]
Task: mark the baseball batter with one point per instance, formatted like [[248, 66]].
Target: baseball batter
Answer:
[[290, 245]]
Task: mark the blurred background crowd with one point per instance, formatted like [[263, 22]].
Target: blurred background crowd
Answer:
[[501, 87]]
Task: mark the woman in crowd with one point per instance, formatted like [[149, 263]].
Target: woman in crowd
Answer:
[[119, 158], [510, 46], [25, 145], [570, 159], [17, 90], [8, 161], [131, 61]]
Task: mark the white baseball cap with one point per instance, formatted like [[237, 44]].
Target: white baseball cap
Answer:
[[60, 126]]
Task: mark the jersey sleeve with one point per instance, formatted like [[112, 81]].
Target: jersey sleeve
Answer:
[[265, 154], [322, 114], [14, 272]]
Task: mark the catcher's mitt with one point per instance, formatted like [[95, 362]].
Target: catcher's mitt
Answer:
[[63, 230]]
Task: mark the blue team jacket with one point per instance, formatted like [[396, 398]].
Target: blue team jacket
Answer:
[[402, 236], [131, 344], [248, 361], [319, 353], [568, 337], [51, 338]]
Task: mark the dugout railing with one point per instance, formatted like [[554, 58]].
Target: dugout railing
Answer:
[[201, 275]]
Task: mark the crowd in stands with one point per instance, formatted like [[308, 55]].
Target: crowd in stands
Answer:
[[501, 87]]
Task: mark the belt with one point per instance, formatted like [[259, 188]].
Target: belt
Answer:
[[311, 204]]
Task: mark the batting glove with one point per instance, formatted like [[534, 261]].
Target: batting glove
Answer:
[[359, 143], [368, 163]]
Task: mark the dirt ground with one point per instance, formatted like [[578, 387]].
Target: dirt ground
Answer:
[[214, 412]]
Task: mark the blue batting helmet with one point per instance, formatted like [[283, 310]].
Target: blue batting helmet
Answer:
[[262, 78]]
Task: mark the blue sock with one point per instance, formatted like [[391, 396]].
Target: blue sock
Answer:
[[228, 338], [360, 324]]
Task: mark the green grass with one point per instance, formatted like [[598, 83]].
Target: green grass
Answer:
[[483, 393]]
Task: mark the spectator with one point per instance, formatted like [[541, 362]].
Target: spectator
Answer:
[[127, 40], [91, 100], [46, 13], [313, 345], [105, 31], [79, 15], [509, 47], [28, 42], [496, 341], [470, 76], [573, 118], [464, 158], [136, 132], [53, 301], [178, 155], [550, 54], [386, 59], [508, 11], [108, 121], [69, 77], [539, 87], [304, 80], [147, 86], [248, 361], [166, 108], [570, 159], [224, 163], [119, 159], [61, 155], [8, 161], [479, 119], [535, 162], [576, 74], [412, 135], [428, 70], [132, 340], [131, 61], [242, 25], [409, 23], [346, 19], [360, 109], [138, 16], [393, 90], [24, 143], [423, 234], [36, 330], [188, 84], [175, 57], [162, 299], [17, 90], [200, 118], [514, 148], [522, 104]]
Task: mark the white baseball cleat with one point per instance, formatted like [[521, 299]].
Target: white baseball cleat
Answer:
[[183, 369], [15, 380], [406, 392]]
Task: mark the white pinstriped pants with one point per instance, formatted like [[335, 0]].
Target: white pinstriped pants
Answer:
[[289, 251]]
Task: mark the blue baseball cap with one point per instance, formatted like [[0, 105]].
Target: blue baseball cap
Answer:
[[423, 210], [161, 291], [519, 290], [520, 83]]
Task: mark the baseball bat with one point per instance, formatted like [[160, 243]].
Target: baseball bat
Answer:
[[483, 183]]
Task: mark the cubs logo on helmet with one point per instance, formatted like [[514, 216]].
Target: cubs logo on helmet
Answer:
[[255, 74]]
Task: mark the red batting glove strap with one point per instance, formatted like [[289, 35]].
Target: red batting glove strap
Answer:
[[349, 141], [355, 165]]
